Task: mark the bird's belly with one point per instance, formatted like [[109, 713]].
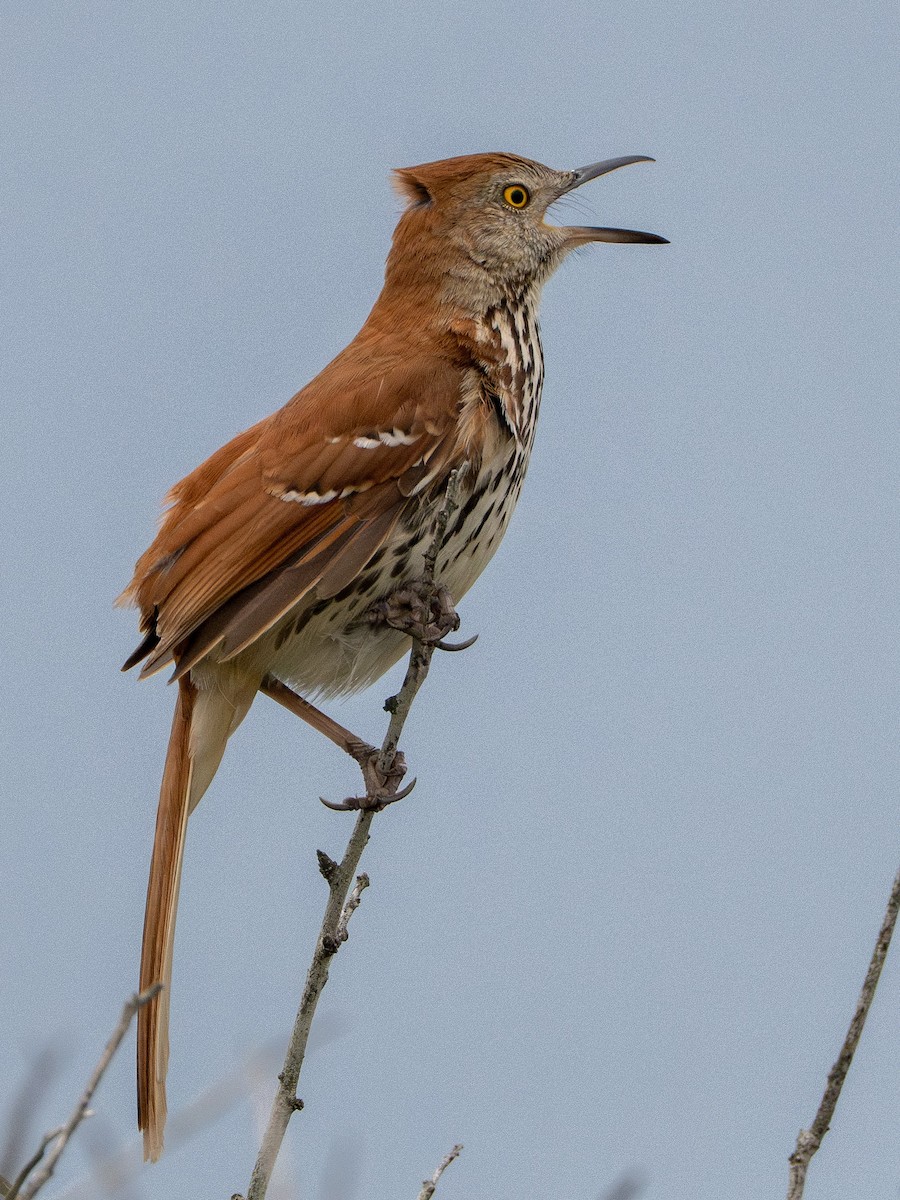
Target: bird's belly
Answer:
[[329, 647]]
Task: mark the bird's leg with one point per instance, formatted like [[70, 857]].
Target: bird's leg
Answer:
[[381, 786], [348, 742], [422, 609]]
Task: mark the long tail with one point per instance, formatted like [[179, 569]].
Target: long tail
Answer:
[[211, 704]]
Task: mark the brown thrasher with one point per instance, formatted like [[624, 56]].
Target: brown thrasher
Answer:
[[276, 552]]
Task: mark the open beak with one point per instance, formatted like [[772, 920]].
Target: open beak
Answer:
[[580, 235]]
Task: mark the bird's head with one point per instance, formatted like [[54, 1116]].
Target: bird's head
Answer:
[[483, 216]]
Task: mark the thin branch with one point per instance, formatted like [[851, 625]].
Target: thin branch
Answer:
[[59, 1138], [430, 1184], [339, 877], [809, 1140]]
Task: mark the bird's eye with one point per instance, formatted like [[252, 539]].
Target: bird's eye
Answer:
[[516, 196]]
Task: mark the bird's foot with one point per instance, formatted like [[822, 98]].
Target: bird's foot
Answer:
[[382, 785], [424, 611]]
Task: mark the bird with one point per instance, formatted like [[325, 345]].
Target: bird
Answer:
[[275, 556]]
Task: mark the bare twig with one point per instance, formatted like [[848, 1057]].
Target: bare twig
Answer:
[[430, 1184], [809, 1140], [29, 1181], [339, 877]]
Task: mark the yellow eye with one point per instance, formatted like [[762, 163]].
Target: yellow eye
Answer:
[[516, 196]]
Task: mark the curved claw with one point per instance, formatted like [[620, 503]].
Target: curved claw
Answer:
[[351, 804], [401, 795], [366, 803], [454, 646]]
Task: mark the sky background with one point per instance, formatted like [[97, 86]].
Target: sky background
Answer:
[[620, 926]]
